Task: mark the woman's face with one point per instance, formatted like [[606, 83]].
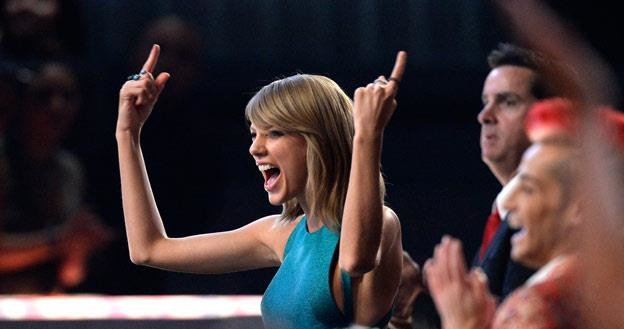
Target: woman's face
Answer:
[[281, 158]]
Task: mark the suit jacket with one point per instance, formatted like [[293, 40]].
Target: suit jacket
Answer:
[[504, 275]]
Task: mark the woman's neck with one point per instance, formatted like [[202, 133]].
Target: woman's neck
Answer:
[[313, 222]]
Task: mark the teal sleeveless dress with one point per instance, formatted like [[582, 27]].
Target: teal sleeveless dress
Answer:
[[299, 296]]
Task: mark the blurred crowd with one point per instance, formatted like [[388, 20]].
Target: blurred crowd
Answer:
[[54, 234], [57, 231], [48, 230]]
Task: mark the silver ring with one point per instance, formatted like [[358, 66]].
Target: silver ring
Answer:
[[397, 80], [380, 81], [137, 76]]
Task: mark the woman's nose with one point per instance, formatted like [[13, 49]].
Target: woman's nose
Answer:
[[257, 147]]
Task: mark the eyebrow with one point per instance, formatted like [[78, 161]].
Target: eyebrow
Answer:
[[502, 95], [507, 94]]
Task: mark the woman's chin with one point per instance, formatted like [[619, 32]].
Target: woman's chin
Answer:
[[275, 200]]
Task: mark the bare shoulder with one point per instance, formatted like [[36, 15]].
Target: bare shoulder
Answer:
[[265, 223], [391, 233], [391, 220], [272, 224], [274, 232], [389, 213]]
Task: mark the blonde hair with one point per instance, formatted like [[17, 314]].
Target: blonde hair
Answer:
[[316, 108]]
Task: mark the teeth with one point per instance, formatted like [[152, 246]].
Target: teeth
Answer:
[[265, 167]]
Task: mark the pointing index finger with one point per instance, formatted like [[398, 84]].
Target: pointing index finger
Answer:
[[152, 59], [399, 68]]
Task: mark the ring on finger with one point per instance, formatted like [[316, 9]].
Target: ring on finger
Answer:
[[397, 80], [382, 81], [138, 76]]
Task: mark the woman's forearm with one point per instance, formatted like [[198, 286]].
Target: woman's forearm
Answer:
[[144, 226], [363, 213]]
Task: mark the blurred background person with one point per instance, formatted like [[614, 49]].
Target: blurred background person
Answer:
[[8, 105], [46, 214], [32, 30]]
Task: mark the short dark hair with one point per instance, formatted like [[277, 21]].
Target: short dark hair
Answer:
[[510, 54]]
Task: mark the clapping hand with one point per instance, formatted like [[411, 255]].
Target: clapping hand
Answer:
[[461, 297]]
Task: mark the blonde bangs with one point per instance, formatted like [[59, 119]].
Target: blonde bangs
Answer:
[[264, 109]]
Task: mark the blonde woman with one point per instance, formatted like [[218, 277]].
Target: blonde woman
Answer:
[[338, 247]]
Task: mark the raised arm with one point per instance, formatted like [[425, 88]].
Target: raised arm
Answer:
[[370, 236], [147, 240], [365, 221]]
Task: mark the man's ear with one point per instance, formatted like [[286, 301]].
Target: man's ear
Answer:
[[575, 213]]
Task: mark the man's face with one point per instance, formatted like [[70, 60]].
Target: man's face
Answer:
[[539, 206], [506, 100]]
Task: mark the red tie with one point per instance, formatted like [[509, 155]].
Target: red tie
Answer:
[[491, 226]]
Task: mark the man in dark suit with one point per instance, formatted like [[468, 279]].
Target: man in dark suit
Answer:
[[517, 79]]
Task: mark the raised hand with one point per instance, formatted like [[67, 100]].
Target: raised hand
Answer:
[[461, 297], [139, 94], [374, 104]]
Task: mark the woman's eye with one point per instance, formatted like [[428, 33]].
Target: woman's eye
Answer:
[[275, 133], [253, 136]]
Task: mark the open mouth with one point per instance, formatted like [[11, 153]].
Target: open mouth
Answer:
[[518, 236], [271, 175]]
